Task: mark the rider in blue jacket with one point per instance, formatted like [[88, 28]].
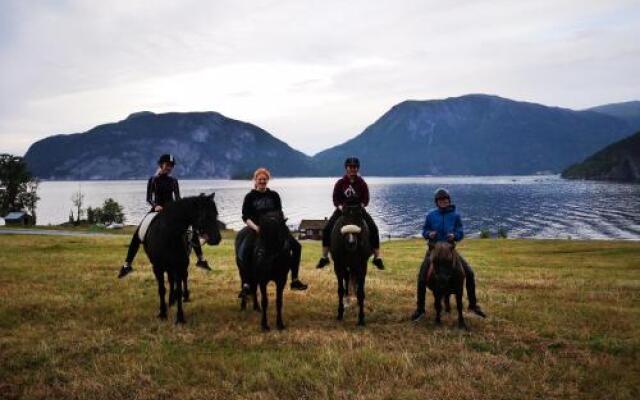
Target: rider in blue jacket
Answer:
[[440, 225]]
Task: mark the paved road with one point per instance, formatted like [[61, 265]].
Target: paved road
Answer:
[[50, 232]]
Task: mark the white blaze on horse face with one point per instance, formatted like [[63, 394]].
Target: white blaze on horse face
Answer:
[[203, 239]]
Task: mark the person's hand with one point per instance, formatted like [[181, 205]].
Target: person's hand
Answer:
[[340, 207], [433, 234], [450, 237], [157, 208]]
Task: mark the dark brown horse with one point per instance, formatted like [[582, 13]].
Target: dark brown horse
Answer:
[[445, 276], [350, 250], [167, 245]]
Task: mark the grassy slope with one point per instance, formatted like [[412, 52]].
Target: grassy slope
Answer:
[[564, 323]]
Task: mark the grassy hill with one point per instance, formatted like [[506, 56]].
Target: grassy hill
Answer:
[[564, 322]]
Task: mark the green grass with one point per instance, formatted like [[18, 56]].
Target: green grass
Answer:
[[564, 322]]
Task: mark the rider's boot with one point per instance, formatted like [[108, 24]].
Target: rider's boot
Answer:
[[377, 261], [124, 270], [323, 262], [297, 284], [202, 263]]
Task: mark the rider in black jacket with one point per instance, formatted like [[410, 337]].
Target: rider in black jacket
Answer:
[[162, 189], [257, 202]]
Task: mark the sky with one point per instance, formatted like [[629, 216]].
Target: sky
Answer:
[[312, 73]]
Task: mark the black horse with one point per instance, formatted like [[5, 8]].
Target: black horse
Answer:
[[167, 245], [350, 249], [445, 276], [265, 260]]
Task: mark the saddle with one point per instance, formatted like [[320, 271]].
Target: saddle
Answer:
[[144, 225]]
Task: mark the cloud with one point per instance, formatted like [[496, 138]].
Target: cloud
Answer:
[[313, 73]]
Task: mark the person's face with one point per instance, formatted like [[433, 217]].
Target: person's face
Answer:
[[352, 170], [443, 202], [166, 168], [261, 182]]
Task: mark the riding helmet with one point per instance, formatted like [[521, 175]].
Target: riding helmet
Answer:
[[441, 193], [167, 158], [352, 161]]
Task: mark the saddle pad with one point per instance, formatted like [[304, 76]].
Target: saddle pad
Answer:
[[144, 225], [350, 229]]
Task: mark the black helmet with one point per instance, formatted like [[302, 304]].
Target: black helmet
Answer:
[[167, 158], [441, 193], [352, 161]]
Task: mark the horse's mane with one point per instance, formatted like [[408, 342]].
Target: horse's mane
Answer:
[[443, 251]]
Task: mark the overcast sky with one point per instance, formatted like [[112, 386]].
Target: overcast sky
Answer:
[[312, 73]]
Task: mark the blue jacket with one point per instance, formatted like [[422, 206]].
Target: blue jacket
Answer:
[[443, 222]]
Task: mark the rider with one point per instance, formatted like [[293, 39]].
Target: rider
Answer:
[[162, 189], [444, 224], [259, 201], [349, 189]]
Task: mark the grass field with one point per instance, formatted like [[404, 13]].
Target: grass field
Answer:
[[564, 322]]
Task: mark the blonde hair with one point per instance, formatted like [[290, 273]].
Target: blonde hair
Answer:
[[261, 171]]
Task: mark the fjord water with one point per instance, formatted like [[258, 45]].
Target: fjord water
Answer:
[[524, 206]]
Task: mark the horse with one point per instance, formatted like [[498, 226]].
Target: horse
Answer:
[[269, 260], [167, 245], [350, 250], [445, 276]]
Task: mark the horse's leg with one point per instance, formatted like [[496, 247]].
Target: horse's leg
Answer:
[[447, 303], [178, 283], [265, 304], [172, 289], [341, 293], [279, 295], [461, 323], [437, 296], [161, 292], [254, 291], [186, 293], [360, 294]]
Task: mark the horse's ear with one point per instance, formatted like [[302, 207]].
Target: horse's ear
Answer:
[[213, 195]]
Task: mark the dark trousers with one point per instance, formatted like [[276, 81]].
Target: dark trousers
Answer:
[[422, 283], [247, 238], [374, 235], [134, 245]]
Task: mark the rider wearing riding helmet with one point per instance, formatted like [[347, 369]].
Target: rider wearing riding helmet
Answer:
[[350, 189], [259, 201], [162, 189], [444, 224]]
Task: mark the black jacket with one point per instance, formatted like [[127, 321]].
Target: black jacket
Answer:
[[162, 190], [257, 203]]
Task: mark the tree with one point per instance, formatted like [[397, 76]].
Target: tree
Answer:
[[78, 200], [18, 189], [112, 212]]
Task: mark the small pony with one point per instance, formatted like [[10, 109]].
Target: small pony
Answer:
[[445, 276]]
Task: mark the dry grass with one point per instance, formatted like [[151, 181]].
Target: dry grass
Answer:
[[564, 323]]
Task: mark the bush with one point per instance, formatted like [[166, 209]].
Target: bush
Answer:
[[502, 233], [485, 234], [109, 213]]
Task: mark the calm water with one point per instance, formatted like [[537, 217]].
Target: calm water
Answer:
[[535, 206]]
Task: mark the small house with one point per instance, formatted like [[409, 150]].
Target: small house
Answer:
[[18, 218], [311, 229]]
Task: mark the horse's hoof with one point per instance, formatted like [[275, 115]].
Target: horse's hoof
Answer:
[[180, 321], [361, 323], [281, 327], [265, 328], [438, 322], [162, 315], [463, 326], [340, 318]]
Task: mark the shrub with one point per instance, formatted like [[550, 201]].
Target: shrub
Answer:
[[485, 234]]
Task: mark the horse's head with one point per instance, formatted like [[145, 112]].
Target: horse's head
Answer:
[[445, 263], [352, 222], [273, 231], [206, 222]]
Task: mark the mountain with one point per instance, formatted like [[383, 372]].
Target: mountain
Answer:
[[476, 135], [628, 111], [619, 161], [205, 144]]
